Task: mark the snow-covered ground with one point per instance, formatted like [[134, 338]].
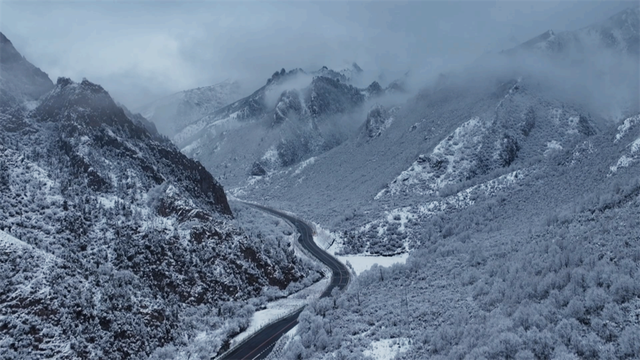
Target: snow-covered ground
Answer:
[[361, 263], [282, 307], [386, 349], [331, 243]]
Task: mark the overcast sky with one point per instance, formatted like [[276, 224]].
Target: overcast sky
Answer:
[[142, 50]]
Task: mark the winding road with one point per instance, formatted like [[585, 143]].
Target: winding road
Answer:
[[260, 344]]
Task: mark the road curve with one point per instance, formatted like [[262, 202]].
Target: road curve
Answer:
[[259, 345]]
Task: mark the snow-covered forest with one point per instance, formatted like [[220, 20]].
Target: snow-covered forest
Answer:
[[114, 244], [489, 209]]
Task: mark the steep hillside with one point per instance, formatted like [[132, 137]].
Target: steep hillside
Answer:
[[296, 115], [114, 243]]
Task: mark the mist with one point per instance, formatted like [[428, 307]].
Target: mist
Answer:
[[298, 82], [141, 51], [605, 83]]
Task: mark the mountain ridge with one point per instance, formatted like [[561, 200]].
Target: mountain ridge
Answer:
[[294, 116], [115, 244], [619, 32]]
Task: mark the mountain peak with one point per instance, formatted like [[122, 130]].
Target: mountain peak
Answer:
[[86, 86], [627, 17], [81, 103], [628, 14], [92, 87], [620, 33], [174, 112], [62, 82], [283, 74], [540, 39]]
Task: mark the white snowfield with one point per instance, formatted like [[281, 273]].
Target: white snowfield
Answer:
[[633, 153], [552, 146]]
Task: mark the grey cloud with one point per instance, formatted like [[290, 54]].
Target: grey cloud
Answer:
[[140, 51]]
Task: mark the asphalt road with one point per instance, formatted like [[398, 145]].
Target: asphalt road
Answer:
[[261, 343]]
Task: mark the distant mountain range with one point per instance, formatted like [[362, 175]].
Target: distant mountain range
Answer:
[[172, 113], [295, 115], [476, 130], [619, 33]]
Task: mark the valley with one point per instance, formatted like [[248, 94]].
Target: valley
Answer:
[[487, 210]]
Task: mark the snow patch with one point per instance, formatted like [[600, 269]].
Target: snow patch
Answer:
[[386, 349], [191, 147], [573, 124], [332, 243], [108, 201], [271, 155], [362, 263], [303, 165], [627, 159], [625, 126], [466, 197], [624, 161], [552, 146], [448, 161]]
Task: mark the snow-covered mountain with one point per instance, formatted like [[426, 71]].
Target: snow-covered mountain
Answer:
[[294, 116], [113, 243], [172, 113], [520, 106], [514, 188], [620, 33]]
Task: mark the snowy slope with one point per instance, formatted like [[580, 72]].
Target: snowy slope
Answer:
[[295, 116], [172, 113], [516, 198], [126, 246]]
